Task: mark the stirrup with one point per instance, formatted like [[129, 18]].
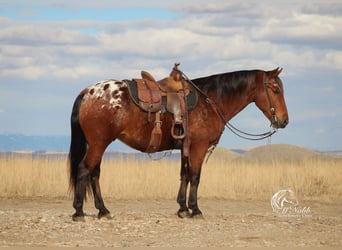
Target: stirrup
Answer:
[[182, 130], [178, 120]]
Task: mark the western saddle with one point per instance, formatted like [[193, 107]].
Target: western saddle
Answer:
[[167, 95]]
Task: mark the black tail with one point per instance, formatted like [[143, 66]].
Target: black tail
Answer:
[[78, 145]]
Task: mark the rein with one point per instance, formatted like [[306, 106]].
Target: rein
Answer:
[[236, 131]]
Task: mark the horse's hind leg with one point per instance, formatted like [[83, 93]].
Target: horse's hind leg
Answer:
[[80, 192], [95, 184], [85, 174]]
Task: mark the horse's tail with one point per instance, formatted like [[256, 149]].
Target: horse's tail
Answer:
[[78, 144]]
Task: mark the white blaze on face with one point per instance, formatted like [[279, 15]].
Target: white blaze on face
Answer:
[[108, 90]]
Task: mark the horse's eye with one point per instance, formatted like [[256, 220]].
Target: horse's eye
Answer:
[[276, 91]]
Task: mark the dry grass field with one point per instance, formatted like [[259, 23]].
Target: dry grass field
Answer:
[[234, 196], [227, 175]]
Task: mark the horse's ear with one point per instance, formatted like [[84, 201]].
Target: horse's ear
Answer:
[[279, 71], [276, 72]]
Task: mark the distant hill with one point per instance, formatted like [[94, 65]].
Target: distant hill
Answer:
[[224, 154], [35, 143], [281, 153], [17, 142], [41, 145]]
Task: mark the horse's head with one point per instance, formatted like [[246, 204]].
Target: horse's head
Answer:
[[270, 98]]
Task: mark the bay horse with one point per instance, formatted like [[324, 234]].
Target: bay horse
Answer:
[[104, 112]]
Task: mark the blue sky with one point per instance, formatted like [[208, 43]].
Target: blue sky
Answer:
[[59, 13], [50, 50]]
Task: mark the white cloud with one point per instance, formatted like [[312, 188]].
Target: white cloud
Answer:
[[40, 34], [218, 36], [207, 37], [313, 31]]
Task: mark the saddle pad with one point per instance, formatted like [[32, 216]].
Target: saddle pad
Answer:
[[191, 98]]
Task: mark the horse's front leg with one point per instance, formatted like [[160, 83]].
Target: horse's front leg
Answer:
[[181, 198], [193, 205], [197, 155]]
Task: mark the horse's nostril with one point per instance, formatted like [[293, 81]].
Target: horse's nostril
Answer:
[[285, 122]]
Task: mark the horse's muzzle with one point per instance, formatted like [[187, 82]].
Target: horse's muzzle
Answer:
[[281, 123]]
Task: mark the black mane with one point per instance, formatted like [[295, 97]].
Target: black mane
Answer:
[[226, 84]]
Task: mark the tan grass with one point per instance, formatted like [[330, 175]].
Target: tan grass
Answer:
[[310, 179], [133, 178], [28, 176]]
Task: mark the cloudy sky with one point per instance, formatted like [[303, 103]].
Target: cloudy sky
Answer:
[[50, 50]]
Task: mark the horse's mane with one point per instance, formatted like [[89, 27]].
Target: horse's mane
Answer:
[[226, 84]]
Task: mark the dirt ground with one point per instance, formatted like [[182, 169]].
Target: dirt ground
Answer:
[[47, 222]]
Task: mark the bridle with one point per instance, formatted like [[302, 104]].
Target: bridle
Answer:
[[236, 131], [274, 119]]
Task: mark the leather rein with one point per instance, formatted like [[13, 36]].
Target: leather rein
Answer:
[[236, 131]]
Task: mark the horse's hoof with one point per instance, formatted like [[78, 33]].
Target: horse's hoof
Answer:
[[107, 216], [183, 214], [197, 216], [78, 218]]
